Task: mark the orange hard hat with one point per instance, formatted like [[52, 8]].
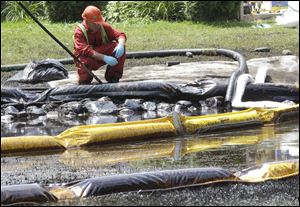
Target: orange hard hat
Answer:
[[92, 14]]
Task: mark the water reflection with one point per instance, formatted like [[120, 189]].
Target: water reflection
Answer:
[[232, 149], [36, 127], [44, 125], [103, 119], [241, 148]]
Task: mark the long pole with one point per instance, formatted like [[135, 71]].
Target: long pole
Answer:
[[56, 40]]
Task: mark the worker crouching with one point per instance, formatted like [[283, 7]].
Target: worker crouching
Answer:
[[97, 43]]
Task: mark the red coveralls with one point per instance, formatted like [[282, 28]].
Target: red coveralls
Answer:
[[85, 52]]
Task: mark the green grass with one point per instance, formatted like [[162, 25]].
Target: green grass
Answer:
[[22, 42]]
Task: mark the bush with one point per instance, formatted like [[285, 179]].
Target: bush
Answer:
[[172, 10], [3, 5], [69, 11], [123, 11], [212, 10], [13, 12], [117, 11], [161, 10]]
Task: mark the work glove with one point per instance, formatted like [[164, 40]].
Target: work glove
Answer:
[[119, 50], [110, 60]]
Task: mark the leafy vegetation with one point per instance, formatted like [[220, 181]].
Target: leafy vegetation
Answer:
[[212, 10], [11, 11], [125, 11], [145, 11], [172, 10], [69, 11]]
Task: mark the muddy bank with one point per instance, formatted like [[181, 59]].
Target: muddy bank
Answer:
[[283, 69]]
